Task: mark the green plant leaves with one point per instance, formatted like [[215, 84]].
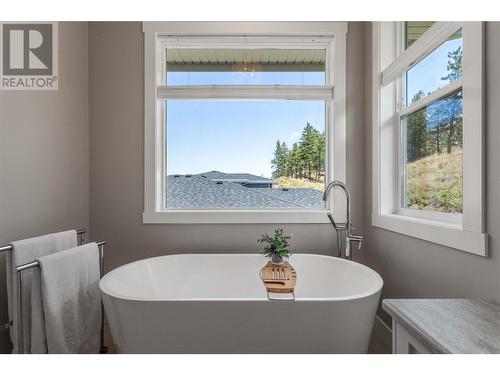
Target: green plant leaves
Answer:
[[277, 244]]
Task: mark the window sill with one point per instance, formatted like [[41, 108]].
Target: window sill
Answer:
[[447, 234], [215, 216]]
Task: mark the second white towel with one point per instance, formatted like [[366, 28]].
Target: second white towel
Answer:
[[25, 251], [72, 300]]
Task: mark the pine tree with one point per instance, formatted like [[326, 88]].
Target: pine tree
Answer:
[[416, 132], [304, 159], [308, 148], [454, 65], [279, 163], [438, 126], [295, 162], [321, 153]]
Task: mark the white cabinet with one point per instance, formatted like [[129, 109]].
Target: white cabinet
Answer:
[[459, 326], [404, 343]]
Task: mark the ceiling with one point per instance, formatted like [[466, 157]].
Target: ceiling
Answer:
[[246, 59], [414, 29]]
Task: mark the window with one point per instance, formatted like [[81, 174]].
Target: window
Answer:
[[428, 132], [247, 154], [432, 156], [431, 132], [436, 70], [242, 127]]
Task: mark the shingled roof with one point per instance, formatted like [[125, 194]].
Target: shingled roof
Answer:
[[235, 177], [196, 191]]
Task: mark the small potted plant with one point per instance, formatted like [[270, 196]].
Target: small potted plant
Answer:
[[277, 247]]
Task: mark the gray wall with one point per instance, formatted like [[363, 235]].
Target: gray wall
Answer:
[[117, 148], [414, 268], [44, 154]]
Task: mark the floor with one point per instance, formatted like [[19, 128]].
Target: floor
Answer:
[[108, 341], [376, 345]]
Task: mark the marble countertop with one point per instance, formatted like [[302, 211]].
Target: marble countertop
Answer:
[[449, 325]]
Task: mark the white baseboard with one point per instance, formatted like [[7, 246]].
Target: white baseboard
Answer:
[[383, 332]]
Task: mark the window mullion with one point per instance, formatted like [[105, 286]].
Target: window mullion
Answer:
[[436, 95]]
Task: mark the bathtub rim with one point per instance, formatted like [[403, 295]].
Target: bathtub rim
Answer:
[[376, 288]]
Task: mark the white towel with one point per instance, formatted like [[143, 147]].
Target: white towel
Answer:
[[25, 251], [72, 300]]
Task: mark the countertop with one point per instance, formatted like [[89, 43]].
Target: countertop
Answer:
[[449, 325]]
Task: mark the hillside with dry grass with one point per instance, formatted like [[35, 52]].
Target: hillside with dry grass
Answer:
[[289, 182], [435, 182]]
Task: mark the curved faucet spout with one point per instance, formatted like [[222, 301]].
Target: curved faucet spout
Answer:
[[349, 237], [343, 186]]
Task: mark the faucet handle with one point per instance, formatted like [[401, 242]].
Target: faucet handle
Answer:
[[358, 239], [332, 220]]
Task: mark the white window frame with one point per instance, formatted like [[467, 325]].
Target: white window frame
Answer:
[[160, 35], [390, 62]]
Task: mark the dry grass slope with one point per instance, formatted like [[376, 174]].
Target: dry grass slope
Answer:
[[435, 182], [289, 182]]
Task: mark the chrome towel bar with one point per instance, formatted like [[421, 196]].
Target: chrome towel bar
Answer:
[[23, 267], [80, 233], [80, 239]]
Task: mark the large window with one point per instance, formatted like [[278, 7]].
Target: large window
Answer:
[[245, 154], [428, 131], [244, 128]]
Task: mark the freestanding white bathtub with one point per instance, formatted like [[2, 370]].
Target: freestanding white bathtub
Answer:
[[217, 304]]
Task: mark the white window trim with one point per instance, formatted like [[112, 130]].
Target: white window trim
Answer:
[[156, 34], [466, 234]]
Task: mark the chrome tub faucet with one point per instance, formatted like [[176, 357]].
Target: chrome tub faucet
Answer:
[[344, 230]]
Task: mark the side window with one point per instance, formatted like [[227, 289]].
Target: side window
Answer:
[[432, 136], [428, 178]]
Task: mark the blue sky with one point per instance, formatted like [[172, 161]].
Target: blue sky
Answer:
[[234, 136], [427, 74], [240, 136]]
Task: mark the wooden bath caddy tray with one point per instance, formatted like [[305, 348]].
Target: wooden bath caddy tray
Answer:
[[279, 279]]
